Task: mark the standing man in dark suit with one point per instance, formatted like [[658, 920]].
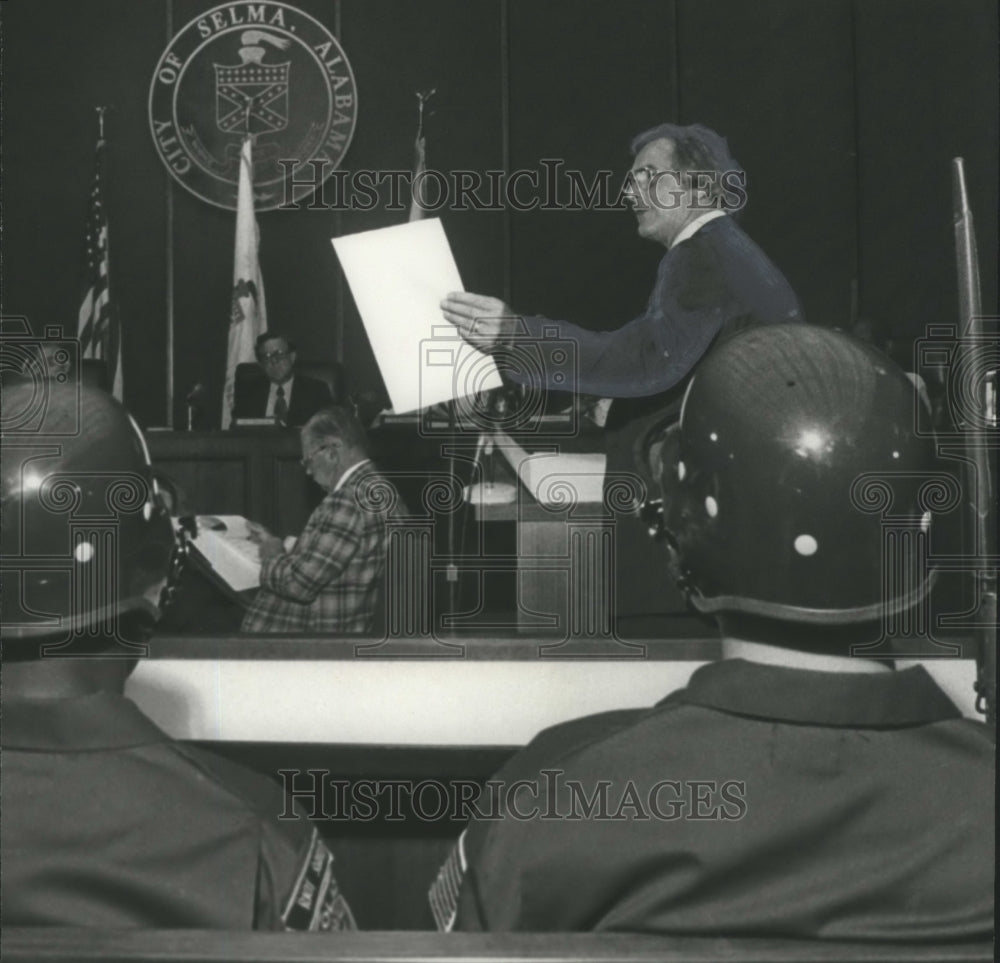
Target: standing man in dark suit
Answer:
[[289, 398], [684, 188]]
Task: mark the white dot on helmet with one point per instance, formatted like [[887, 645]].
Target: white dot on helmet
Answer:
[[711, 506], [806, 545]]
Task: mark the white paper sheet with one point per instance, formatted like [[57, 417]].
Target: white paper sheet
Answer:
[[224, 542], [398, 276]]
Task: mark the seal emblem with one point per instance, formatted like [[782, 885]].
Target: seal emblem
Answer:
[[259, 68]]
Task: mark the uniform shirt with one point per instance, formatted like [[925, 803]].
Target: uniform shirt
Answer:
[[109, 823], [328, 581], [714, 279], [757, 801]]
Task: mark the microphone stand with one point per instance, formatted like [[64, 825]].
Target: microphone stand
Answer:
[[975, 426], [452, 569], [192, 402]]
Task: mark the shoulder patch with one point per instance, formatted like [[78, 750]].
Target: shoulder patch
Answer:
[[316, 902], [443, 894]]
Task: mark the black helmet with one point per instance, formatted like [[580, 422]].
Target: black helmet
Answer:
[[795, 445], [86, 536]]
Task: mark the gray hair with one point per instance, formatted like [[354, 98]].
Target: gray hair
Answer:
[[699, 149], [339, 424]]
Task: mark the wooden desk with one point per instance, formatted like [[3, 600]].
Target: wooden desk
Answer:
[[254, 472], [441, 569], [257, 472]]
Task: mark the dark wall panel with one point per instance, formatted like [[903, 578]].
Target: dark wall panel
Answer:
[[397, 49], [585, 77], [60, 62], [815, 98], [777, 79], [927, 92]]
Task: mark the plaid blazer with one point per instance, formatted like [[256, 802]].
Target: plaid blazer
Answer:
[[328, 582]]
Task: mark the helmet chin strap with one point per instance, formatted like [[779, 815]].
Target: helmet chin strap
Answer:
[[164, 594]]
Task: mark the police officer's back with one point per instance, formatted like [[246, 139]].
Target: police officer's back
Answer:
[[801, 786], [106, 821]]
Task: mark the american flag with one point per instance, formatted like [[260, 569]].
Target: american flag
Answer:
[[97, 322]]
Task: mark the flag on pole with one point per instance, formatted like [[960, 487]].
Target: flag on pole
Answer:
[[248, 311], [97, 322], [418, 202]]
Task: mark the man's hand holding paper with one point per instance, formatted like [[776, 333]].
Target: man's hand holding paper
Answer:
[[480, 319]]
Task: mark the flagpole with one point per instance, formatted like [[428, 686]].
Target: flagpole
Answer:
[[170, 302], [97, 323], [418, 212], [169, 262], [116, 364]]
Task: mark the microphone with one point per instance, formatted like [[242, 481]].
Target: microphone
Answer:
[[193, 400]]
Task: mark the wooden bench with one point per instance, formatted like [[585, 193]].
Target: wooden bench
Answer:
[[56, 945]]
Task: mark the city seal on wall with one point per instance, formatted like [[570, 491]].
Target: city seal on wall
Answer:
[[259, 68]]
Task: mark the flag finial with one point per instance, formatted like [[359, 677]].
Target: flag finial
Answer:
[[422, 97]]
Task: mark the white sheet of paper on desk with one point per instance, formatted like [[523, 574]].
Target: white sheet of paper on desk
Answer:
[[228, 550], [398, 276], [235, 525]]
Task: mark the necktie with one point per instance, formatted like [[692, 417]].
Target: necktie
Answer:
[[280, 405]]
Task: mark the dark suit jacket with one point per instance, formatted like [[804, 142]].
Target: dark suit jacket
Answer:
[[308, 396]]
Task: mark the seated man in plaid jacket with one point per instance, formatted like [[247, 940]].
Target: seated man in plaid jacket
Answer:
[[327, 582]]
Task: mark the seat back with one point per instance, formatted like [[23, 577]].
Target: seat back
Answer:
[[330, 373], [246, 373]]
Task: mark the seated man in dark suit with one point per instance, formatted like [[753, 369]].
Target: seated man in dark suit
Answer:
[[289, 398], [108, 822]]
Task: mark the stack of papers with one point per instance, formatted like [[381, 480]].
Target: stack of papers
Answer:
[[224, 542]]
